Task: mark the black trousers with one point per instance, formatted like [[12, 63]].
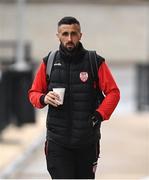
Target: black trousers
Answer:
[[67, 163]]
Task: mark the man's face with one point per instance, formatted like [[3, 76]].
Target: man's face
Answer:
[[69, 35]]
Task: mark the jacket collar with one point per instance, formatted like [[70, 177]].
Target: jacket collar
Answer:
[[76, 54]]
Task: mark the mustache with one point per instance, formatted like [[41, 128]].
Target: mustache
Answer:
[[70, 43]]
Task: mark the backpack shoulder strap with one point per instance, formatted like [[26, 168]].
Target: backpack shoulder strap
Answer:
[[94, 72], [94, 66], [95, 61], [50, 63]]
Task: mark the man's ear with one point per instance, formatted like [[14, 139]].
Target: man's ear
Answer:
[[58, 36], [80, 36]]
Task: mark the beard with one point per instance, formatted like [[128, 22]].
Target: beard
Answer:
[[70, 46], [70, 52], [70, 49]]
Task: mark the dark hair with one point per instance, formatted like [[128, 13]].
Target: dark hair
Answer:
[[68, 20]]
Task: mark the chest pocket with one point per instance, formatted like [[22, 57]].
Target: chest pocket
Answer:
[[81, 73], [58, 75]]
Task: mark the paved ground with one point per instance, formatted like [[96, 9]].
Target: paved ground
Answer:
[[16, 144], [124, 151]]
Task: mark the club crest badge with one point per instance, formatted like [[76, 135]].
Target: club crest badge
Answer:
[[83, 76]]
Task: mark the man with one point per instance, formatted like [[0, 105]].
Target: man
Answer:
[[73, 129]]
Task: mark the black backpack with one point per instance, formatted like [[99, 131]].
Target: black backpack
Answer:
[[94, 71]]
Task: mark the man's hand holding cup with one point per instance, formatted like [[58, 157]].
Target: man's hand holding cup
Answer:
[[55, 97]]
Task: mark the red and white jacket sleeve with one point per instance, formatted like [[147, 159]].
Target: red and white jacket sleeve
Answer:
[[39, 87], [111, 91], [106, 83]]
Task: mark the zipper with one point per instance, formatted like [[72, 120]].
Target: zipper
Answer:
[[69, 104]]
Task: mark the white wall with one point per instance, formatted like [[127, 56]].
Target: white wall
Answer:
[[119, 32]]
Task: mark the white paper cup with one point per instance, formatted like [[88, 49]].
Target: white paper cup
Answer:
[[60, 92]]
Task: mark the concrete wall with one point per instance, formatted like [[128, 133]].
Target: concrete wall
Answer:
[[118, 32], [79, 1]]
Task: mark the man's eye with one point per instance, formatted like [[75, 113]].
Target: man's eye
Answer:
[[65, 34], [71, 34], [74, 33]]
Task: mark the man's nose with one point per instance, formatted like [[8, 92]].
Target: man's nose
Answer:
[[69, 37]]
